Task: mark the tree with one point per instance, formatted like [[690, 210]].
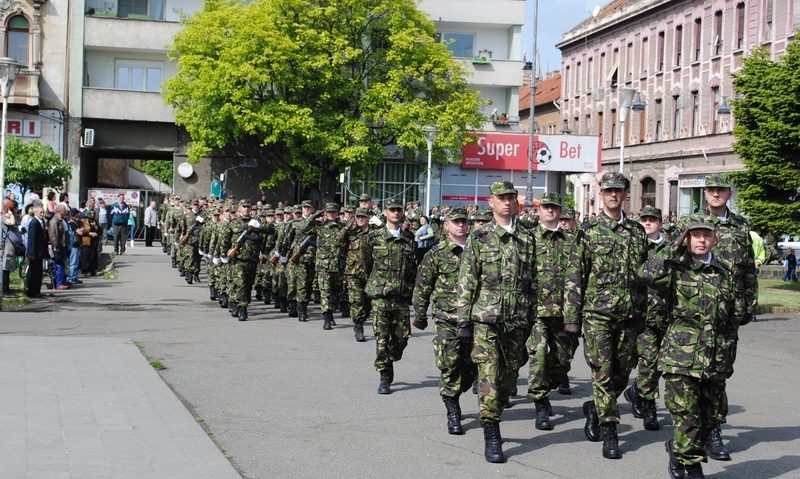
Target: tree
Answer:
[[767, 136], [159, 169], [34, 166], [313, 86]]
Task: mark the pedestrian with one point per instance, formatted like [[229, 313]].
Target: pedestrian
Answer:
[[150, 224], [791, 266], [11, 240], [603, 296], [36, 252], [120, 211], [58, 233], [75, 233], [89, 238], [424, 237], [391, 266], [437, 283], [496, 297], [132, 225], [102, 216]]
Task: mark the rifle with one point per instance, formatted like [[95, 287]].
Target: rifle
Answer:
[[301, 249], [234, 251], [198, 221]]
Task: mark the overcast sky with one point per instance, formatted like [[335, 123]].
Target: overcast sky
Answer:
[[555, 18]]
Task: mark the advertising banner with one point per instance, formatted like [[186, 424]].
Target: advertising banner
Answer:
[[509, 151], [132, 197]]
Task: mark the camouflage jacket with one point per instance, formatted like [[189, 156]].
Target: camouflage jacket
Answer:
[[172, 220], [251, 239], [497, 278], [269, 233], [186, 227], [329, 248], [354, 240], [223, 243], [282, 241], [302, 229], [602, 278], [656, 314], [437, 281], [701, 335], [390, 264], [552, 256], [213, 237]]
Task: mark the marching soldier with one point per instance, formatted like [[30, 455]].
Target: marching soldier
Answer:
[[303, 251], [354, 236], [223, 245], [269, 232], [328, 263], [246, 244], [279, 260], [213, 261], [567, 220]]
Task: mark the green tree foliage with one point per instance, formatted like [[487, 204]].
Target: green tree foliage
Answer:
[[767, 135], [34, 165], [159, 169], [313, 86]]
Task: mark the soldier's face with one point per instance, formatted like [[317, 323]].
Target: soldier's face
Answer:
[[394, 214], [456, 228], [361, 220], [307, 210], [365, 204], [503, 205], [270, 219], [567, 224], [331, 215], [717, 197], [298, 215], [701, 241], [549, 213], [651, 225], [612, 198]]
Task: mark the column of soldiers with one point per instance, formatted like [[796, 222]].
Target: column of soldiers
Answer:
[[509, 290]]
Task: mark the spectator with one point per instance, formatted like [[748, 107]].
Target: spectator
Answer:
[[36, 252], [150, 224], [75, 233], [424, 237], [50, 209], [120, 212], [791, 267], [58, 232], [102, 217], [63, 199], [88, 243], [759, 252], [132, 225], [23, 224], [12, 240]]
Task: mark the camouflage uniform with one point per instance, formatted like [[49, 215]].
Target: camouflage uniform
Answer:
[[699, 345], [269, 233], [243, 267], [302, 271], [223, 244], [279, 284], [354, 240], [191, 252], [328, 261]]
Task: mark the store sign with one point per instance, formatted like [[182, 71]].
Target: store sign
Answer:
[[509, 151], [696, 182], [26, 128]]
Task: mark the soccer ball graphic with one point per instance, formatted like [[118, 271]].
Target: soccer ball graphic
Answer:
[[542, 153]]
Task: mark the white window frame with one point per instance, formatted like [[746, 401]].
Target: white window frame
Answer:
[[143, 64]]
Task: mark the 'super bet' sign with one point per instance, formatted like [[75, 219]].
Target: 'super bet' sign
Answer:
[[509, 151]]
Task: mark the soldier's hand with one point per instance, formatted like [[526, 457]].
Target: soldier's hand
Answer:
[[572, 328], [464, 332], [679, 245], [420, 323]]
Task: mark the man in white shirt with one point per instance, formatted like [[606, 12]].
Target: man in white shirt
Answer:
[[150, 223]]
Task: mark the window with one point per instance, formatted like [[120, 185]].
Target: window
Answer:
[[768, 11], [644, 54], [715, 105], [716, 47], [642, 126], [461, 45], [578, 78], [659, 114], [676, 116], [600, 126], [566, 81], [127, 7], [602, 69], [648, 192], [588, 124], [695, 112], [138, 75], [629, 62], [678, 44], [589, 79], [577, 122], [739, 26], [613, 128], [698, 33], [660, 53], [17, 42]]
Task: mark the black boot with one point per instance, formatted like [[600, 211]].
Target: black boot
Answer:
[[542, 417], [267, 296], [197, 277], [493, 450], [390, 373], [563, 386], [358, 329], [234, 310], [383, 385], [223, 300], [715, 448], [675, 468], [242, 313], [610, 440], [174, 263], [635, 400], [293, 309], [475, 387], [345, 308], [284, 305], [326, 318], [695, 471], [650, 419], [212, 293], [453, 416], [592, 426], [181, 273], [316, 297], [302, 312], [259, 295], [188, 277]]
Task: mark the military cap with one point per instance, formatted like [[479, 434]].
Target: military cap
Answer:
[[195, 203], [348, 209], [392, 203], [279, 211], [245, 203], [699, 222], [232, 207], [613, 179], [268, 206], [550, 199], [651, 211], [269, 212], [457, 214], [718, 180], [362, 212], [332, 207], [307, 204], [297, 209], [365, 197], [567, 214], [483, 215], [499, 188], [215, 211]]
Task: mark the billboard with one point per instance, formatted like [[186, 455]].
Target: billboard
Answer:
[[132, 197], [509, 151]]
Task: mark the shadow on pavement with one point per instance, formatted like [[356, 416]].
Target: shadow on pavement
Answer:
[[763, 468]]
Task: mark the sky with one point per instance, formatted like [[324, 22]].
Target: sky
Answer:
[[555, 18]]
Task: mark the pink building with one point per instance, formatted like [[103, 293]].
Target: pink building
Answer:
[[678, 55]]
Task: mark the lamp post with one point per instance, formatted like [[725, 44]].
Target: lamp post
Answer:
[[8, 72], [530, 67], [430, 131], [627, 104]]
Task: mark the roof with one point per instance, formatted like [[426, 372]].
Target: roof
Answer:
[[547, 90], [610, 14]]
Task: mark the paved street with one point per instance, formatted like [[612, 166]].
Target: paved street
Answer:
[[285, 399]]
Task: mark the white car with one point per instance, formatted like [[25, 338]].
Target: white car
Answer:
[[789, 242]]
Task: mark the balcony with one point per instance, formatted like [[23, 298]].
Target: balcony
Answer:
[[25, 90], [503, 73], [104, 33], [126, 105], [494, 12]]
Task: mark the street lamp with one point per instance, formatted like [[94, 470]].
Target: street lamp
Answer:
[[627, 104], [724, 109], [530, 67], [566, 130], [430, 131], [8, 72]]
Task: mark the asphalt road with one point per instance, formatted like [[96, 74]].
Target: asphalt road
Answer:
[[286, 399]]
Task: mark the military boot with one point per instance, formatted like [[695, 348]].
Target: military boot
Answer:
[[453, 416], [197, 277], [542, 417], [212, 293], [675, 468], [345, 308], [326, 318], [383, 385], [293, 309], [610, 440], [650, 418], [284, 305], [316, 297], [493, 450], [188, 277], [259, 293], [223, 300], [181, 273], [174, 263], [390, 372], [302, 312], [636, 402], [695, 471], [267, 296], [715, 448], [358, 329], [242, 313], [235, 310], [592, 426], [563, 386]]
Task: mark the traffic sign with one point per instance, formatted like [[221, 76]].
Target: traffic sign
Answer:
[[216, 188]]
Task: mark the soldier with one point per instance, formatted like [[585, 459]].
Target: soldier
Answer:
[[699, 345], [161, 216], [344, 297], [567, 220], [481, 218], [549, 347], [303, 253], [279, 260], [644, 391], [496, 297], [603, 292], [269, 233], [354, 236], [291, 267], [172, 226], [389, 262], [212, 230], [437, 280], [246, 245], [328, 263], [223, 245]]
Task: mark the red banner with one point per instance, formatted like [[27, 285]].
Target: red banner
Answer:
[[509, 151]]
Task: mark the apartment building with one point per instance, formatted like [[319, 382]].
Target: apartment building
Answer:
[[678, 55]]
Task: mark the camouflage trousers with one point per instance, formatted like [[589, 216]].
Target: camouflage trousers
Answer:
[[392, 327], [173, 248], [190, 258], [360, 304], [279, 280], [457, 371], [242, 277], [223, 277], [213, 275], [609, 348], [330, 288], [647, 345], [299, 281], [549, 348], [260, 274], [291, 284], [266, 278], [498, 354], [697, 406]]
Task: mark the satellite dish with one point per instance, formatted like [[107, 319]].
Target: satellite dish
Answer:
[[595, 11], [185, 170]]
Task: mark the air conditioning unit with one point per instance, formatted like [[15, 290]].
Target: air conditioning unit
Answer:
[[88, 137]]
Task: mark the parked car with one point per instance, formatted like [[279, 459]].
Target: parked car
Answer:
[[788, 242]]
